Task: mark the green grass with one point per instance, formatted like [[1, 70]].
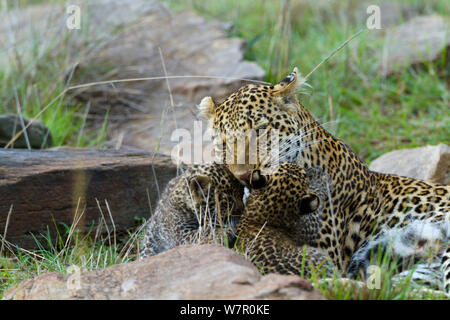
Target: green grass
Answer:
[[39, 75], [88, 251], [91, 252], [385, 288]]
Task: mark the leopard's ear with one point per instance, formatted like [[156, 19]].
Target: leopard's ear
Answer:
[[288, 85], [199, 187], [207, 108], [309, 203]]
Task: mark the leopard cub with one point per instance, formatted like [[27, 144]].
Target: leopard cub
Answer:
[[202, 205], [282, 217]]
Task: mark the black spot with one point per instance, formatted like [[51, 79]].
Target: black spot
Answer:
[[356, 238], [394, 203], [418, 209], [348, 251], [415, 200]]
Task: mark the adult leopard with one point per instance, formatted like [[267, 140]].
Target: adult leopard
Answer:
[[361, 202]]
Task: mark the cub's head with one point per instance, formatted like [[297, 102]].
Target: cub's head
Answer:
[[280, 197], [212, 189]]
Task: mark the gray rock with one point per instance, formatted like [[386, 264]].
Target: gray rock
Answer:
[[421, 39], [391, 13], [37, 133], [185, 272], [430, 163]]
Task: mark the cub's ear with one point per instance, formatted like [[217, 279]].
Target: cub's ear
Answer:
[[288, 85], [207, 108], [199, 186], [309, 203]]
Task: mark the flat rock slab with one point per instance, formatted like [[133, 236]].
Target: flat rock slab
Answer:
[[430, 163], [44, 187], [186, 272]]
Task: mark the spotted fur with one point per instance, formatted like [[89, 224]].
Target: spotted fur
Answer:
[[361, 201], [202, 205], [280, 219]]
